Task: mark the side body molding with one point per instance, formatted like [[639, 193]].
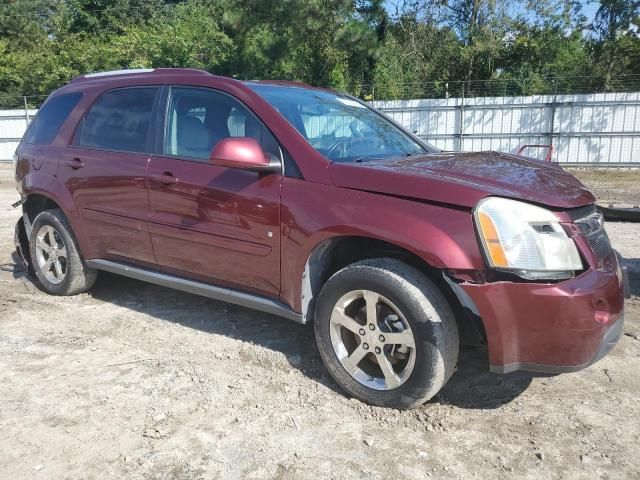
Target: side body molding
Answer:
[[236, 297]]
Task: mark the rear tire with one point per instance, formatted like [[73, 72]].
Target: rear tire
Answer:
[[55, 256], [402, 357]]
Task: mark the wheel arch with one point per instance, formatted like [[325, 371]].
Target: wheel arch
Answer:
[[37, 202], [33, 204], [336, 252], [42, 198], [45, 191]]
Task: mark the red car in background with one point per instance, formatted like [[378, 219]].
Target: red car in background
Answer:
[[311, 205]]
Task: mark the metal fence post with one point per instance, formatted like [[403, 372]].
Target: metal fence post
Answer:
[[461, 123], [26, 110], [552, 125]]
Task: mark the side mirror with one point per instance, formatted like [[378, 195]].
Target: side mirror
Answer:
[[244, 153]]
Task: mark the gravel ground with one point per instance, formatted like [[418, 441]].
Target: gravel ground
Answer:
[[138, 381], [619, 187]]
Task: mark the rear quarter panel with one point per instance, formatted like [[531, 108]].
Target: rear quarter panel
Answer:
[[37, 174]]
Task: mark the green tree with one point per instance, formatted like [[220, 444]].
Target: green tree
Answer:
[[190, 35], [25, 23], [10, 80], [482, 26], [105, 17], [546, 42], [616, 27], [289, 39], [400, 47]]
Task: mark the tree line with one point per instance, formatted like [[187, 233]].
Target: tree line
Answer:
[[385, 48]]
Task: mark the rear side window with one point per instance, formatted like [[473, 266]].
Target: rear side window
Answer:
[[119, 120], [50, 118]]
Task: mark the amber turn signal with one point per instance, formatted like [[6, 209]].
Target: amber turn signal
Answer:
[[492, 241]]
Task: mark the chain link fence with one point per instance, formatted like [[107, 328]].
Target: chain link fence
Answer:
[[16, 102], [444, 89]]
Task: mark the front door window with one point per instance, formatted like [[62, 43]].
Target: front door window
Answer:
[[199, 118]]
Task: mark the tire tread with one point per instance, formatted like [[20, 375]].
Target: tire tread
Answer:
[[80, 278], [429, 300]]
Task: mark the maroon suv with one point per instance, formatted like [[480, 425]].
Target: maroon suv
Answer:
[[311, 205]]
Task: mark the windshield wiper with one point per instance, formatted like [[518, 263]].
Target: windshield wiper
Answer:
[[391, 157], [363, 157], [367, 157]]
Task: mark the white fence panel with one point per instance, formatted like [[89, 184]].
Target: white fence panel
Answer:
[[13, 124], [601, 129]]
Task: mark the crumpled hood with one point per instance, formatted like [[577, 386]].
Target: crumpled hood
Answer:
[[465, 178]]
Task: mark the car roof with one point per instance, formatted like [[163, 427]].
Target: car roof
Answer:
[[159, 73], [137, 73], [290, 83]]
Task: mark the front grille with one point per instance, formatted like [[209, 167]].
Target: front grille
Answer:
[[590, 222], [582, 212], [600, 243]]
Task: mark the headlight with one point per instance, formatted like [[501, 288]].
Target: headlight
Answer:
[[525, 239]]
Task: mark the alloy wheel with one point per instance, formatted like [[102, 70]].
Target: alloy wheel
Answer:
[[372, 340], [51, 254]]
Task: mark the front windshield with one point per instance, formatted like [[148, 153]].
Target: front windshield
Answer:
[[340, 128]]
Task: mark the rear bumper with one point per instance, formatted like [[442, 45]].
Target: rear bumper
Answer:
[[552, 328], [21, 240]]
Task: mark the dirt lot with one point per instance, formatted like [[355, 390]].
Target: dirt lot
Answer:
[[133, 380], [620, 187]]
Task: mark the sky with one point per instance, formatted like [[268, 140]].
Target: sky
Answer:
[[589, 8]]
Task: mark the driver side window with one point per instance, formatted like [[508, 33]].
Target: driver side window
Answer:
[[199, 118]]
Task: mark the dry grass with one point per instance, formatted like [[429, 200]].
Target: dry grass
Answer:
[[619, 186]]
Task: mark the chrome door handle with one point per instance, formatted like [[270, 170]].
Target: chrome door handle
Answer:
[[166, 178]]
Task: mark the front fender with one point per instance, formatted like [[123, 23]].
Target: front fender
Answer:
[[313, 213]]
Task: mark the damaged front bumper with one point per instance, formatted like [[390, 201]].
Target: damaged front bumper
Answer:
[[551, 328]]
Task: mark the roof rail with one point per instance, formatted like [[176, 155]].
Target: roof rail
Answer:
[[135, 71], [182, 71], [284, 83], [119, 72]]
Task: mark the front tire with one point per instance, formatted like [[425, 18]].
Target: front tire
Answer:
[[55, 257], [386, 333]]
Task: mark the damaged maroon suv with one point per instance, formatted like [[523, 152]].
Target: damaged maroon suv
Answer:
[[311, 205]]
